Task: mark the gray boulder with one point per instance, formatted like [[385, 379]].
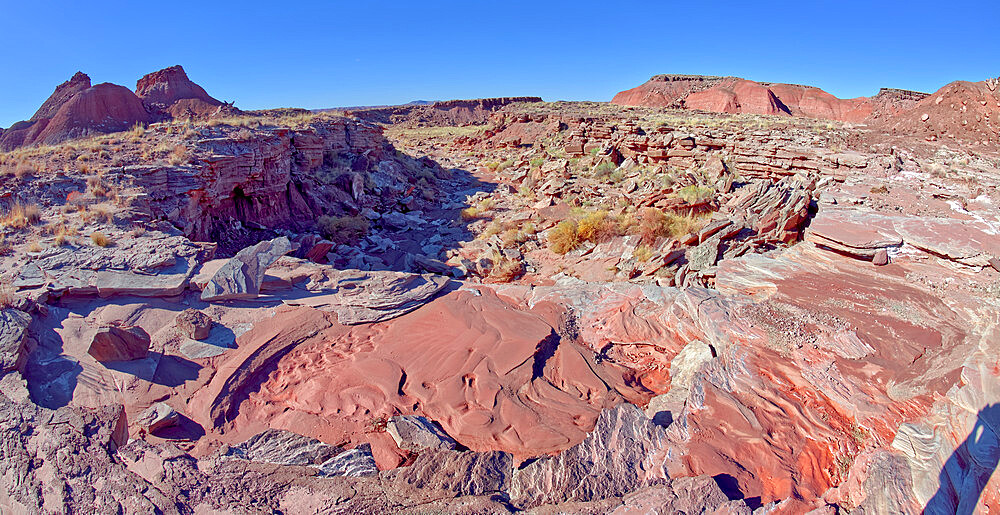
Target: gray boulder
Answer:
[[416, 433], [243, 275], [13, 333], [157, 416], [284, 448], [357, 462]]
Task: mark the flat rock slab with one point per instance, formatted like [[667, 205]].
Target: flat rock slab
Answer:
[[853, 232], [415, 433], [242, 276], [365, 297], [969, 242], [357, 462]]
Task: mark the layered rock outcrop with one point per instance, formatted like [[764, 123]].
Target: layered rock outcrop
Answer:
[[449, 112]]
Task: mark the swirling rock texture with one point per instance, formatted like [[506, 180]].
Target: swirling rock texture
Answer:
[[338, 318]]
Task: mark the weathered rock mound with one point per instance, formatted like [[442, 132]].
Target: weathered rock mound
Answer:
[[170, 92], [733, 95], [667, 90], [966, 111], [99, 109]]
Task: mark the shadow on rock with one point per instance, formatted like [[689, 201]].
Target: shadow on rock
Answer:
[[968, 470], [170, 371]]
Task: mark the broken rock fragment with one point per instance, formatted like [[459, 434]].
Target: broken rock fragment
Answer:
[[157, 417], [415, 433], [194, 324], [242, 276], [119, 344], [13, 333]]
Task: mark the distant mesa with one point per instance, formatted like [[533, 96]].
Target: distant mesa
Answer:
[[735, 95], [76, 109]]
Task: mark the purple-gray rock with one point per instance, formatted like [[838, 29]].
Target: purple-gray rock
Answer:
[[13, 333], [242, 276]]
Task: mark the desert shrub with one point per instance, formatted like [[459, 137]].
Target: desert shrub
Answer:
[[136, 132], [604, 169], [23, 169], [653, 224], [95, 186], [693, 194], [513, 237], [178, 155], [471, 213], [643, 253], [345, 230], [506, 269], [7, 297], [100, 239], [537, 162], [563, 237], [597, 226], [21, 215]]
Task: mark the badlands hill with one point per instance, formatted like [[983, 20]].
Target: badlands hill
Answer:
[[735, 95], [77, 109], [502, 305]]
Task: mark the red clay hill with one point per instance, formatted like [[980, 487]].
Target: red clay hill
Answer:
[[77, 109], [740, 96]]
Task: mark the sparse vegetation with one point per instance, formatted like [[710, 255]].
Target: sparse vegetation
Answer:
[[21, 215], [345, 230], [100, 239]]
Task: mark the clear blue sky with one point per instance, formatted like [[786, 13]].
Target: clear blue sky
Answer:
[[323, 54]]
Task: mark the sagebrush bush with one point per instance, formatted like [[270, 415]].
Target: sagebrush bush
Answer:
[[563, 237]]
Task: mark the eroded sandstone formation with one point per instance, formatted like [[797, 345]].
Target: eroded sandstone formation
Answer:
[[570, 308]]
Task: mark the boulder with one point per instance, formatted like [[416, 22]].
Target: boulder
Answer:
[[357, 462], [194, 324], [318, 252], [241, 277], [119, 344], [416, 433], [13, 333], [156, 417]]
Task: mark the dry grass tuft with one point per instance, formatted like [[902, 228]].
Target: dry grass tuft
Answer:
[[21, 216], [100, 239]]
